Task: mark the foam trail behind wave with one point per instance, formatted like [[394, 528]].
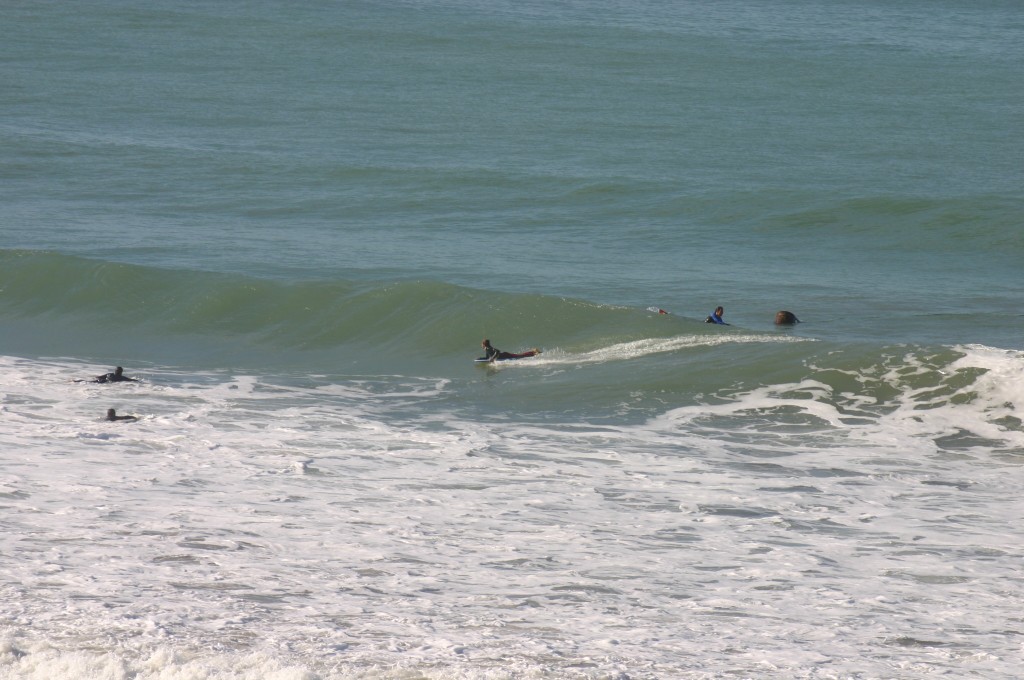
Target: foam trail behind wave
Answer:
[[636, 349]]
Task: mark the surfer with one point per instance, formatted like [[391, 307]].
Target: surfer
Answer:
[[716, 316], [492, 354], [112, 415], [117, 376], [785, 318]]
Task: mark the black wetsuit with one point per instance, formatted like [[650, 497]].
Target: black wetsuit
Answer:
[[116, 376], [113, 377]]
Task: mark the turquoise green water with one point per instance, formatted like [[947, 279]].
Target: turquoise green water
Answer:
[[332, 183]]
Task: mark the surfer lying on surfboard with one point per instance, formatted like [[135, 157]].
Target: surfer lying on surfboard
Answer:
[[116, 376], [492, 354]]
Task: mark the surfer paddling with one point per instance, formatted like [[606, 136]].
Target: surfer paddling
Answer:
[[716, 316], [785, 318], [492, 354], [116, 376], [112, 416]]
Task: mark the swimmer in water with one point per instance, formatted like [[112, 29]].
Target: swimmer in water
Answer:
[[112, 416], [117, 376], [785, 318], [716, 316]]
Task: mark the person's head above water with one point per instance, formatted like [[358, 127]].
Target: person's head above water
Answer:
[[716, 316], [485, 343], [118, 371], [785, 318]]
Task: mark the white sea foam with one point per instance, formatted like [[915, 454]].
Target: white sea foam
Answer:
[[626, 351], [247, 527]]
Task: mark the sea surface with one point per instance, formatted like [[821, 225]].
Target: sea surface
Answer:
[[294, 223]]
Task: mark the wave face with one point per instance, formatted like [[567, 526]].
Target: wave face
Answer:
[[105, 309], [60, 305]]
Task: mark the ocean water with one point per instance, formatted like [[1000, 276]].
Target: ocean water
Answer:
[[295, 222]]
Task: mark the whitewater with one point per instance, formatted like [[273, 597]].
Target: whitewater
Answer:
[[247, 527]]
